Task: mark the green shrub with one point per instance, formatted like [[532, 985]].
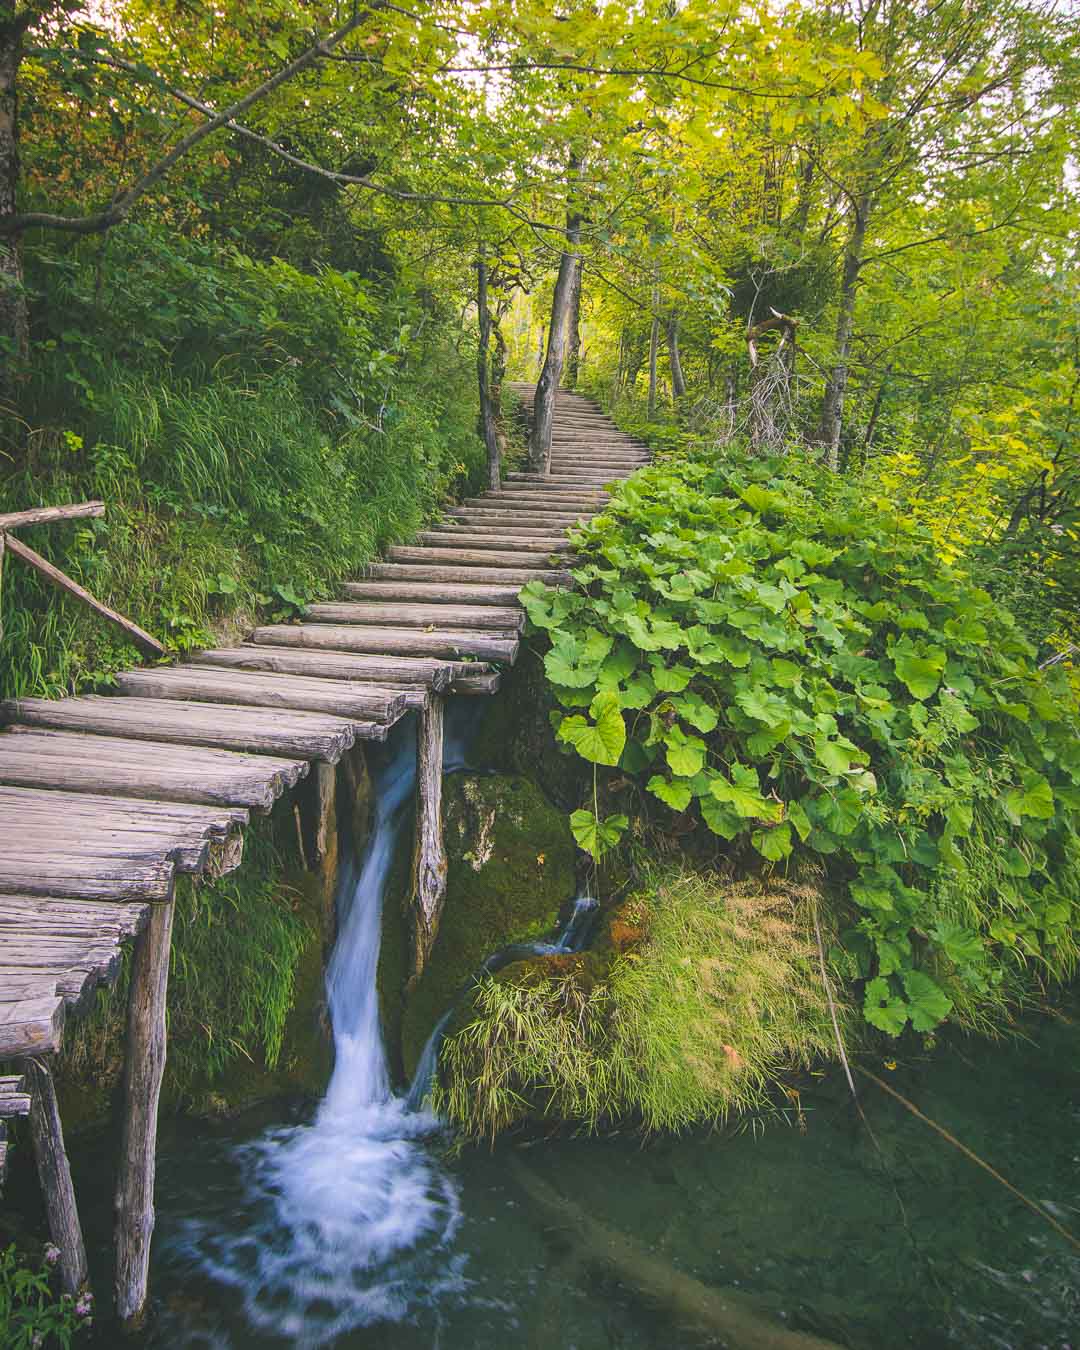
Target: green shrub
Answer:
[[31, 1314], [791, 665], [699, 1020]]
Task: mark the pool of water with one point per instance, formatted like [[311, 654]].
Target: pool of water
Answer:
[[611, 1242]]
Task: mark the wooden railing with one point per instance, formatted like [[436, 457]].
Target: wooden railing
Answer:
[[47, 515]]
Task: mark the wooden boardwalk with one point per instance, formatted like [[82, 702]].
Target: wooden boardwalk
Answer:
[[103, 800]]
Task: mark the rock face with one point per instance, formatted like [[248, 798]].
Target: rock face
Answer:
[[511, 868]]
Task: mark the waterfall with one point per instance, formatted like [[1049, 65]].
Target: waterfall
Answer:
[[349, 1220]]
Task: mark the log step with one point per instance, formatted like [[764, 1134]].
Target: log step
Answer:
[[14, 1097], [537, 542], [359, 702], [454, 557], [518, 576], [74, 762], [508, 620], [461, 531], [389, 671], [425, 592], [33, 1025], [457, 644], [225, 727]]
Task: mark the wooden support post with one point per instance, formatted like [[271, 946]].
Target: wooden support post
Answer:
[[3, 541], [145, 1066], [429, 859], [54, 1173]]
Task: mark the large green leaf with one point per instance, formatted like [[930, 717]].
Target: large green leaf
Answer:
[[597, 836], [673, 792], [1035, 798], [921, 674], [600, 741], [928, 1003]]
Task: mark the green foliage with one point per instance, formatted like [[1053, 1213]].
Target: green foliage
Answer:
[[235, 949], [31, 1314], [793, 665], [721, 997], [257, 434]]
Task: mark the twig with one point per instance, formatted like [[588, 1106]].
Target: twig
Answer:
[[973, 1157]]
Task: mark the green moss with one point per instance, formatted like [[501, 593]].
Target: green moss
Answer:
[[511, 866]]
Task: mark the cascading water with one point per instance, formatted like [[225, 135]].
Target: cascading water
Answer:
[[348, 1220], [347, 1214]]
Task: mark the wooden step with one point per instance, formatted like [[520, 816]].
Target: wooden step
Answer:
[[75, 762], [364, 703], [518, 576], [529, 498], [477, 685], [464, 557], [14, 1097], [457, 644], [514, 516], [527, 540], [431, 592], [307, 735], [326, 664], [505, 619], [33, 1025]]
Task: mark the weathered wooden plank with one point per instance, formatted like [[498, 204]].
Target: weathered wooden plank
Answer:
[[71, 876], [204, 822], [334, 665], [530, 497], [230, 727], [54, 1173], [46, 515], [505, 619], [38, 836], [143, 1071], [432, 592], [477, 684], [125, 919], [453, 643], [31, 1026], [141, 638], [517, 576], [73, 762], [444, 536], [464, 557], [14, 1096], [260, 689]]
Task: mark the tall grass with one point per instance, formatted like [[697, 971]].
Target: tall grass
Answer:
[[723, 996], [258, 434]]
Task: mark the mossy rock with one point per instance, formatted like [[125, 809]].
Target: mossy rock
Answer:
[[511, 868]]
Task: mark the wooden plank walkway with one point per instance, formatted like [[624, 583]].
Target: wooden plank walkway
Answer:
[[104, 799]]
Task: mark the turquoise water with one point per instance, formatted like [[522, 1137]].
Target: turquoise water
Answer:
[[912, 1246]]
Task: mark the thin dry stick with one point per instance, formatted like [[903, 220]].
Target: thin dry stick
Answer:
[[832, 1014], [974, 1157]]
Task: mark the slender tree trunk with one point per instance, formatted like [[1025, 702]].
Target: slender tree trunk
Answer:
[[488, 420], [654, 341], [832, 401], [548, 385], [678, 381], [875, 411], [573, 345], [14, 322], [635, 355]]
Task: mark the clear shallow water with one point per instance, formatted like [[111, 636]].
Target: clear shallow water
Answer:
[[350, 1227]]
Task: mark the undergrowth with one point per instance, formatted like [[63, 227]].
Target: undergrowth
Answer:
[[257, 436], [779, 661], [235, 948], [698, 1022]]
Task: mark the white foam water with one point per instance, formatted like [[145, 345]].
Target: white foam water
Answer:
[[348, 1220]]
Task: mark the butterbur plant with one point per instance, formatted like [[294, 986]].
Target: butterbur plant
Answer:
[[31, 1314], [790, 664]]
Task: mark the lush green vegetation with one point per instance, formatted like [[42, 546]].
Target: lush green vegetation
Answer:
[[769, 650], [714, 996], [32, 1315], [237, 943]]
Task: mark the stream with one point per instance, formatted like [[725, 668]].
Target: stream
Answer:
[[353, 1225]]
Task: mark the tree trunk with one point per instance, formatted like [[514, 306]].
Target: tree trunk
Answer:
[[14, 321], [573, 346], [654, 338], [832, 401], [488, 420], [875, 411], [678, 381], [548, 384]]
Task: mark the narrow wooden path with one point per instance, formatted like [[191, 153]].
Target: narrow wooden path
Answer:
[[103, 800]]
